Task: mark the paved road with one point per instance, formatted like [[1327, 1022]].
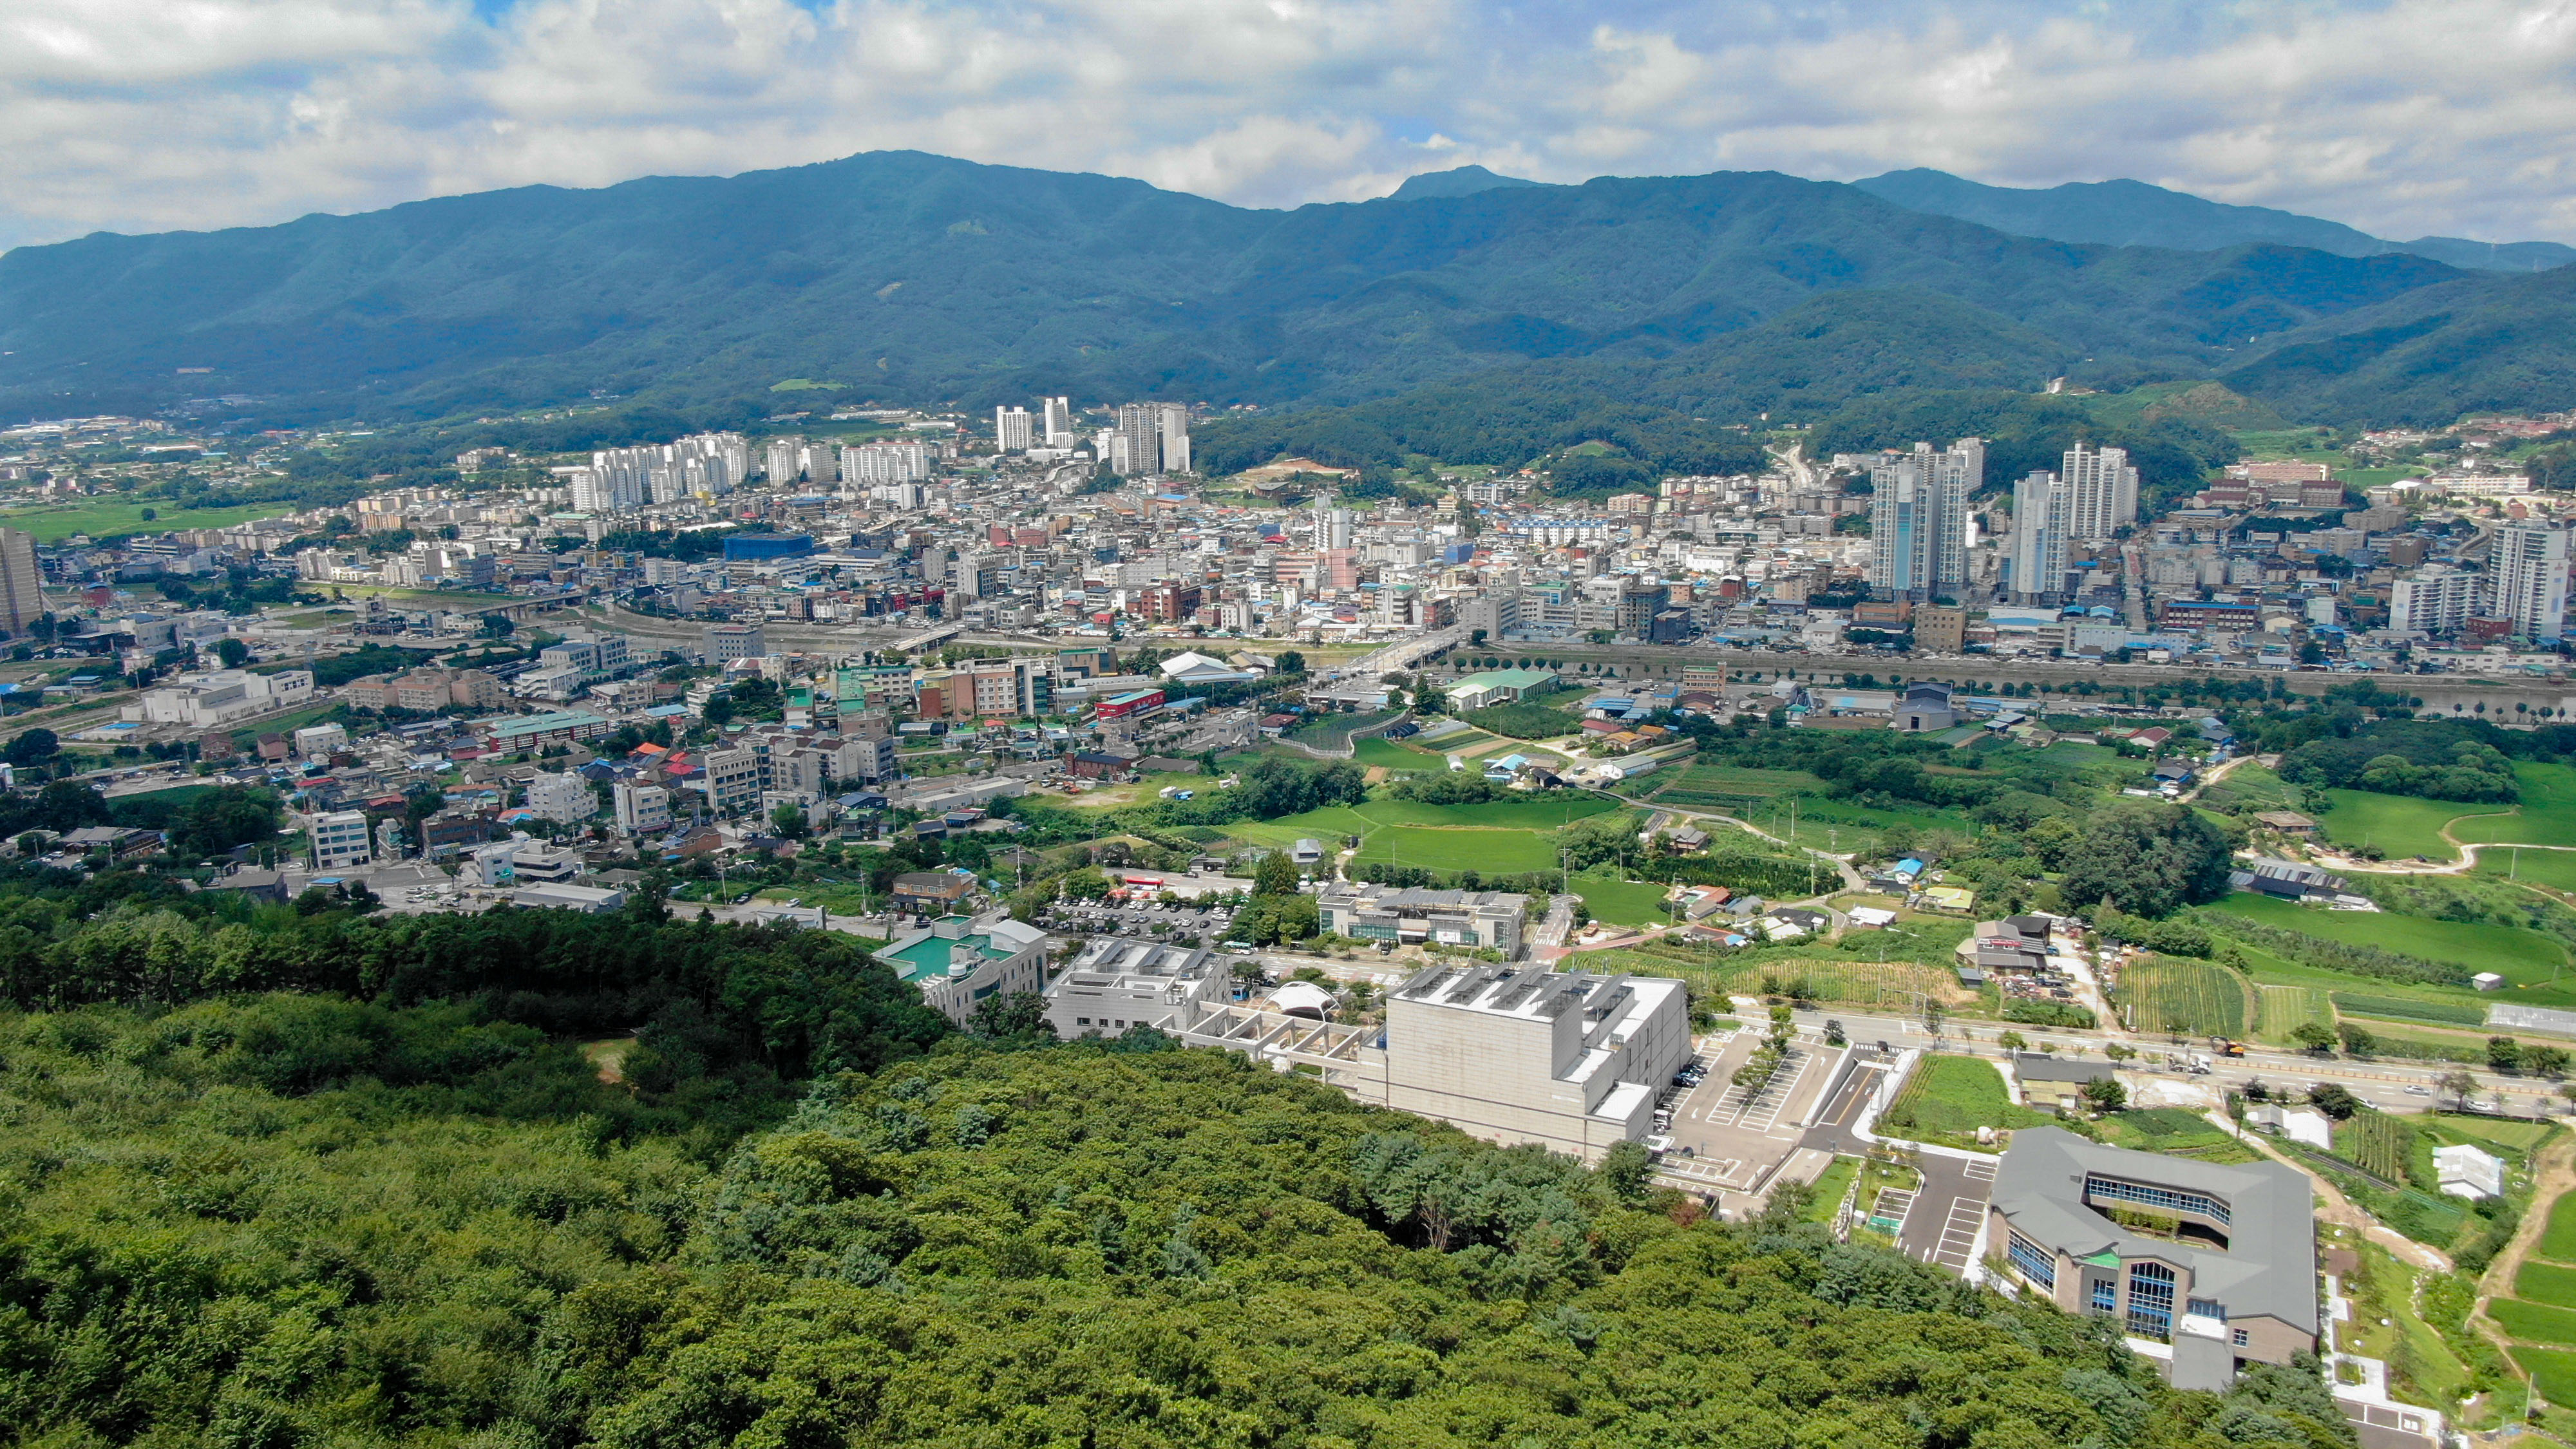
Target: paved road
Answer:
[[1948, 1211], [1836, 1119]]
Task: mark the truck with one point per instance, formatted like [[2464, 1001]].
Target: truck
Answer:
[[2226, 1048]]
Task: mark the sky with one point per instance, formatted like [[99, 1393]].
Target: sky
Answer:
[[2406, 118]]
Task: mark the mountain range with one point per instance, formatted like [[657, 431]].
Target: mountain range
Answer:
[[904, 277]]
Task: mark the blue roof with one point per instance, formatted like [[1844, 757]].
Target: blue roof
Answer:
[[667, 711]]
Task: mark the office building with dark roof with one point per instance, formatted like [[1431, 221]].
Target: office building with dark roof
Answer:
[[2214, 1266]]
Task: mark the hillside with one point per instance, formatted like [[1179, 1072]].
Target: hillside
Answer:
[[907, 277], [2133, 213]]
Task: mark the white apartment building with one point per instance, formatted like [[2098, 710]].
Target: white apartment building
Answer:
[[2103, 493], [563, 798], [1918, 517], [887, 462], [340, 840], [2043, 510], [725, 643], [2435, 599], [2528, 567], [1014, 431], [1059, 421], [316, 741], [641, 809]]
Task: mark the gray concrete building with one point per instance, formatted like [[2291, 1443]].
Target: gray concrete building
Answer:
[[1115, 984], [2214, 1264], [1409, 915]]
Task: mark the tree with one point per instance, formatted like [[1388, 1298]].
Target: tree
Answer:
[[1292, 662], [32, 747], [2459, 1084], [1020, 1015], [2504, 1054], [2105, 1094], [2309, 1036], [2119, 1053], [2146, 859], [2012, 1041], [219, 820], [1276, 875], [2333, 1099], [789, 820], [232, 652], [1628, 1170], [2357, 1039]]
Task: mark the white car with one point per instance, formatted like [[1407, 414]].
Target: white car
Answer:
[[2419, 1091]]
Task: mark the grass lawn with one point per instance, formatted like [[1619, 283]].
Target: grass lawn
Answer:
[[2548, 814], [1436, 848], [2547, 1283], [1954, 1096], [102, 519], [2555, 869], [2553, 1372], [1390, 755], [2520, 956], [2558, 1240], [2399, 825], [1621, 902], [1830, 1185]]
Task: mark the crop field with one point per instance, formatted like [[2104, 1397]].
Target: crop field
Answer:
[[2534, 1322], [2546, 1283], [1531, 812], [1719, 786], [1331, 731], [1490, 851], [2547, 816], [2399, 825], [2542, 866], [2440, 1013], [1388, 754], [2250, 787], [2175, 1131], [2194, 997], [101, 520], [2520, 956], [2286, 1008], [2376, 1143], [2553, 1373], [2558, 1240]]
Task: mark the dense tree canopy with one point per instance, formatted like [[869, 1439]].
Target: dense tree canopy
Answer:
[[2147, 859]]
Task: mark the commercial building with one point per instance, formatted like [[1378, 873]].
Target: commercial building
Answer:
[[641, 809], [754, 546], [730, 779], [2216, 1263], [1918, 517], [221, 696], [562, 798], [340, 840], [2102, 493], [2529, 566], [1368, 912], [1497, 686], [957, 963], [1115, 985], [1569, 1062], [725, 643], [512, 733]]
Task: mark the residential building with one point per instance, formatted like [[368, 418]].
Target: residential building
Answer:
[[1173, 434], [1919, 519], [1115, 985], [1455, 918], [1013, 430], [2102, 493], [1059, 421], [1138, 439], [957, 963], [725, 643], [2528, 567], [1940, 629], [563, 798], [730, 779], [22, 600], [641, 809], [2435, 599], [931, 892], [2043, 512], [2217, 1262], [340, 840]]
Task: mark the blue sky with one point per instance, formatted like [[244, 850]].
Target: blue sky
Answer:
[[2403, 118]]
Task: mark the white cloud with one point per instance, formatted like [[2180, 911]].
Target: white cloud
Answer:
[[2403, 117]]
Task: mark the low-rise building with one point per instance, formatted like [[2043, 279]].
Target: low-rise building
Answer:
[[730, 780], [222, 696], [958, 963], [1410, 914], [2215, 1263], [1115, 985], [930, 892], [340, 839], [2469, 1172], [641, 809], [509, 734], [562, 798]]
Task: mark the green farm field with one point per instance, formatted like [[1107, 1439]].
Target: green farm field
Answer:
[[2558, 1240], [2521, 957], [102, 520], [2547, 816], [1720, 785], [1390, 755], [2553, 1372], [2555, 869], [2547, 1283], [1620, 902], [2176, 993], [2397, 825], [1955, 1096], [1490, 851]]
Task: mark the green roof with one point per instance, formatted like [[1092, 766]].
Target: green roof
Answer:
[[1504, 679], [933, 955]]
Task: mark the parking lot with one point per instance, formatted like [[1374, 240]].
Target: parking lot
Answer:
[[1152, 922], [1730, 1139]]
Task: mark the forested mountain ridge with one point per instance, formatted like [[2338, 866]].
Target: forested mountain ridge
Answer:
[[914, 278], [2134, 213]]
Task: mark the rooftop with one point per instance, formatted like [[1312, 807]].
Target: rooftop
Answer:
[[950, 943]]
